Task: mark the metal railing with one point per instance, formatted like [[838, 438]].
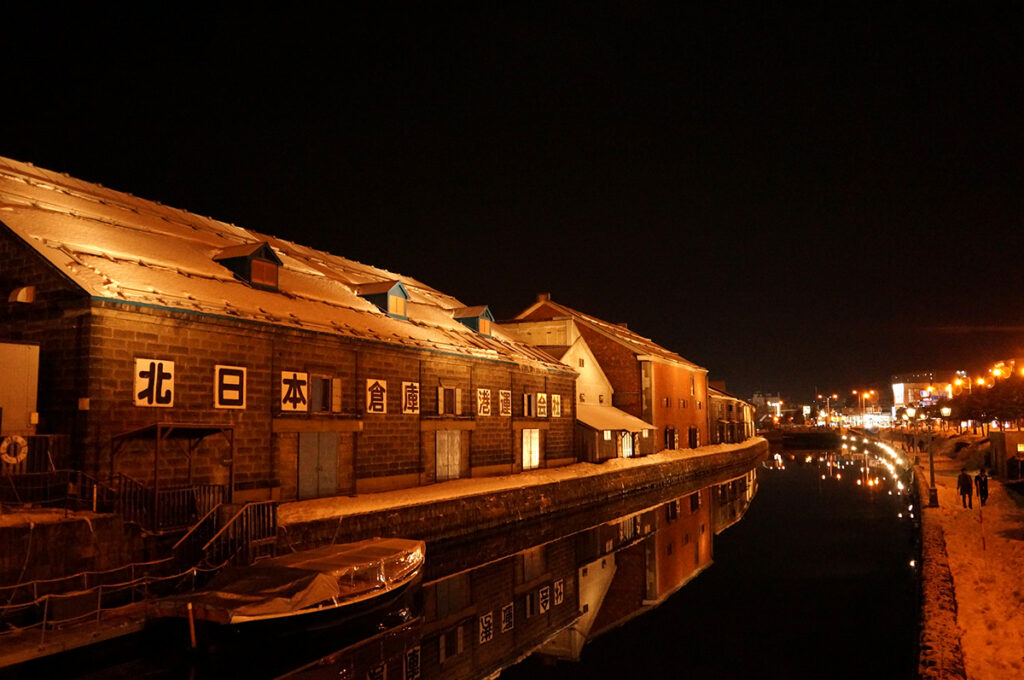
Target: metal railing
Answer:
[[250, 533], [170, 508], [70, 489], [188, 551]]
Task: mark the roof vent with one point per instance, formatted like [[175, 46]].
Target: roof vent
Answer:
[[478, 318], [255, 263], [389, 296]]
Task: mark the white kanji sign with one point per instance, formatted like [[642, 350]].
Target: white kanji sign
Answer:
[[483, 402], [542, 405], [545, 599], [556, 405], [294, 391], [410, 397], [229, 387], [154, 382], [505, 402], [486, 627], [376, 396]]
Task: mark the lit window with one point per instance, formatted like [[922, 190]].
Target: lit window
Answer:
[[396, 305], [264, 273], [607, 435], [485, 326]]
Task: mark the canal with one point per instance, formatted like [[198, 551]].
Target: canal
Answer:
[[789, 570]]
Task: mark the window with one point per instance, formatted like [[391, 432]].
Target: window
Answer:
[[396, 305], [452, 643], [529, 405], [695, 502], [531, 449], [693, 386], [581, 363], [449, 401], [485, 326], [667, 402], [583, 397], [535, 564], [264, 273], [322, 394], [607, 435], [672, 510], [682, 403], [600, 398]]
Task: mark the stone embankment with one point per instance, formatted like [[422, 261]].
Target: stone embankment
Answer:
[[461, 507]]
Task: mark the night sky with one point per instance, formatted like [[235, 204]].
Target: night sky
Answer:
[[792, 199]]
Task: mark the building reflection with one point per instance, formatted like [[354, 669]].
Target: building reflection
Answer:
[[550, 599]]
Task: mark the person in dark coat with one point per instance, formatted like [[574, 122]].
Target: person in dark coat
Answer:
[[965, 488], [981, 484]]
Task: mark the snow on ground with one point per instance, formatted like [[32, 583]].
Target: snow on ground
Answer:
[[986, 558], [337, 506]]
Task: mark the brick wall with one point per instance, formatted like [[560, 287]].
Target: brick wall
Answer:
[[56, 321], [685, 408], [93, 356]]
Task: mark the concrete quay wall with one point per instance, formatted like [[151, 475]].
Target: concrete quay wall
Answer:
[[458, 517]]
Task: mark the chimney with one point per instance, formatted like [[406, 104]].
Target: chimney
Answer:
[[543, 297]]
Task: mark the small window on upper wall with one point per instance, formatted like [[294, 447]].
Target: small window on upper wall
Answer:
[[389, 296], [477, 318]]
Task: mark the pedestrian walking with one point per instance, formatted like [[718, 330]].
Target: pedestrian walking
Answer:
[[981, 484], [965, 488]]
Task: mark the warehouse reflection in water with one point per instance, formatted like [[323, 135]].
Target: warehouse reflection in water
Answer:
[[549, 599]]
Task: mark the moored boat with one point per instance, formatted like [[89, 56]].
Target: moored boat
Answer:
[[307, 587]]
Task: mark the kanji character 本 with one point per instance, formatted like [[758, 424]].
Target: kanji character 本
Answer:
[[294, 388], [154, 382]]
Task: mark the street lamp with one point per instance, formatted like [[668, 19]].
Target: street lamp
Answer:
[[828, 407]]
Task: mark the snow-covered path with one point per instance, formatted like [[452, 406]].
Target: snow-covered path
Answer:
[[986, 558]]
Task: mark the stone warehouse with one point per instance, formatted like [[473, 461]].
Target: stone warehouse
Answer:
[[176, 349]]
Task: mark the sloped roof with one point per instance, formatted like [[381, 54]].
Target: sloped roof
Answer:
[[119, 247], [609, 418], [636, 343]]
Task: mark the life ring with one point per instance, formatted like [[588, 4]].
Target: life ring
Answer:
[[20, 449]]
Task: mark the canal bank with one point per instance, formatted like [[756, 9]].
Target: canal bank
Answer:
[[460, 507], [440, 512]]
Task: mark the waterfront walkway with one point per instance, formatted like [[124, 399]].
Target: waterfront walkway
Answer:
[[985, 549]]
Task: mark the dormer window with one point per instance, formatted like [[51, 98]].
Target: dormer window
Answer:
[[477, 318], [389, 296], [255, 263]]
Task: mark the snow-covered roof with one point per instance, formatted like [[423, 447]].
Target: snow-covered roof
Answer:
[[119, 247], [609, 418], [636, 343]]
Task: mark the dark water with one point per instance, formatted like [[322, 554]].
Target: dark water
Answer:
[[765, 573], [815, 582]]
